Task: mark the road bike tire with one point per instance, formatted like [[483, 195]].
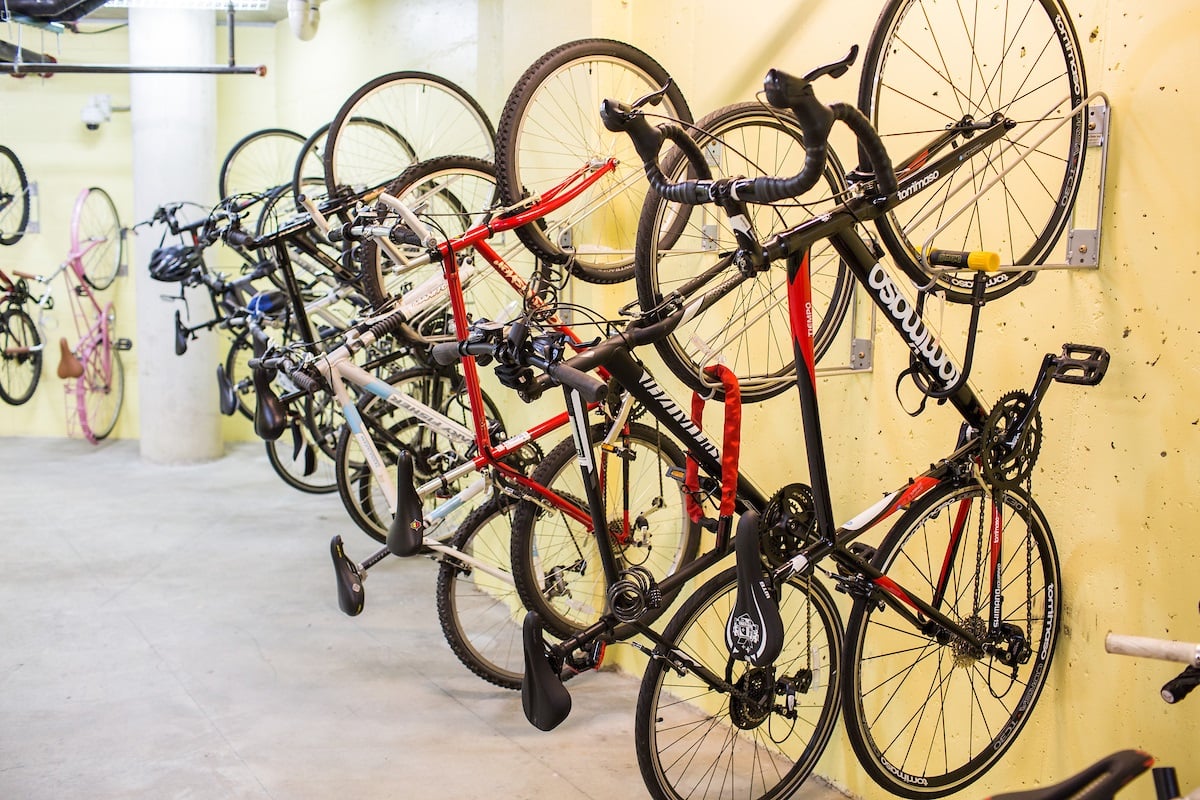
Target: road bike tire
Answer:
[[20, 356], [303, 457], [687, 250], [480, 613], [451, 195], [551, 127], [556, 561], [14, 198], [396, 120], [259, 162], [927, 719], [97, 237], [695, 741], [100, 393], [391, 429], [926, 67]]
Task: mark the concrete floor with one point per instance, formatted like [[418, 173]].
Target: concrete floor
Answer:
[[173, 632]]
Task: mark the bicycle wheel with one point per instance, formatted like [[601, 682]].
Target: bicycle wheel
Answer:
[[96, 238], [686, 250], [259, 162], [395, 120], [308, 175], [393, 429], [303, 457], [931, 64], [478, 606], [927, 718], [99, 392], [237, 368], [20, 357], [452, 195], [551, 127], [696, 741], [14, 198], [556, 560]]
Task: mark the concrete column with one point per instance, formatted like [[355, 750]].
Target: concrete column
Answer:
[[174, 158]]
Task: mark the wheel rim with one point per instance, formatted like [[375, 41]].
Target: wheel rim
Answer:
[[96, 237], [100, 391], [260, 162], [19, 371], [944, 62]]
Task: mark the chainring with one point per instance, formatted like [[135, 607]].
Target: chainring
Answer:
[[787, 524], [1007, 455]]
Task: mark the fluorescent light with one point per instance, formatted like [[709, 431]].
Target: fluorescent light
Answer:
[[209, 5]]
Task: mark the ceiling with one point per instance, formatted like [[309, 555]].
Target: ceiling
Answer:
[[276, 11]]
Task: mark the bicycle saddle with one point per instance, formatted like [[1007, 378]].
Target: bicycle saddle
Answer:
[[754, 631], [68, 365], [407, 531], [1100, 781]]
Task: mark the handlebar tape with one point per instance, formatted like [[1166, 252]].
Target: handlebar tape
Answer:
[[591, 388]]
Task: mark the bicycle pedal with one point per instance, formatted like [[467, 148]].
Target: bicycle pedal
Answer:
[[123, 344], [707, 484], [1081, 364], [583, 660]]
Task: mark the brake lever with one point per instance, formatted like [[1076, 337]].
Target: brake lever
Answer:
[[654, 98], [835, 69]]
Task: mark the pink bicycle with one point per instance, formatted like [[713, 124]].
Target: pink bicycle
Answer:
[[91, 368]]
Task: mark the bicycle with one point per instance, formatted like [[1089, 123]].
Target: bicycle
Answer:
[[936, 77], [963, 623], [92, 366], [14, 197]]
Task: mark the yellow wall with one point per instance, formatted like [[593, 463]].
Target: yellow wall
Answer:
[[1118, 472]]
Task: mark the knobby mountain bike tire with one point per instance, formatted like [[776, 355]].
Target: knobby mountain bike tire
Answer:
[[393, 429], [556, 560], [550, 127], [97, 237], [695, 740], [393, 121], [686, 250], [14, 197], [928, 718], [451, 195], [929, 65], [260, 162], [478, 607], [20, 356]]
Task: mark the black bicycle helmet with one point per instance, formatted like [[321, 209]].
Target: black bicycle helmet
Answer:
[[174, 263]]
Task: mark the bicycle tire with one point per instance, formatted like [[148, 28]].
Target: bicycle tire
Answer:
[[237, 369], [481, 614], [303, 457], [451, 194], [20, 356], [392, 428], [694, 741], [396, 120], [553, 554], [551, 127], [14, 197], [259, 162], [100, 393], [97, 238], [919, 751], [750, 329], [308, 175], [977, 59]]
